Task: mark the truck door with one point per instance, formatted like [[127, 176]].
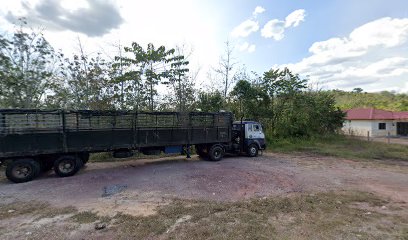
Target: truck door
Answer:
[[254, 133]]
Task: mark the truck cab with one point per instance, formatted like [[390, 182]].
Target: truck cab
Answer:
[[248, 136]]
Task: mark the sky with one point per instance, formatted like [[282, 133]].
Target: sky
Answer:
[[336, 44]]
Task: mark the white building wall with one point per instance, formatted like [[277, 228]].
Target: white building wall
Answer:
[[357, 127], [362, 127], [390, 127]]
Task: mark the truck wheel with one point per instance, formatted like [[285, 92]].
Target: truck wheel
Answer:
[[252, 150], [22, 170], [216, 153], [66, 166]]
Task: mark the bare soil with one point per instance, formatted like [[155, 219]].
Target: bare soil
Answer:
[[144, 186]]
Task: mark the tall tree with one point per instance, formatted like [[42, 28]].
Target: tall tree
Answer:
[[86, 82], [147, 68], [27, 67], [117, 83], [248, 98], [180, 81], [225, 71]]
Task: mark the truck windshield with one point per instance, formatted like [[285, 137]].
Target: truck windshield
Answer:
[[257, 128]]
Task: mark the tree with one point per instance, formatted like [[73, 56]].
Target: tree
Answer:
[[358, 90], [85, 82], [180, 82], [281, 87], [225, 71], [295, 111], [27, 68], [117, 83], [146, 68], [209, 101], [246, 95]]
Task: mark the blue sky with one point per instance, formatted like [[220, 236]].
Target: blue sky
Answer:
[[324, 20], [337, 44]]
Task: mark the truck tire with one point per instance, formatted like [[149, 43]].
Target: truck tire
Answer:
[[252, 150], [66, 166], [22, 170], [216, 153]]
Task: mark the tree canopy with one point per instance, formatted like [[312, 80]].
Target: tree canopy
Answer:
[[34, 75]]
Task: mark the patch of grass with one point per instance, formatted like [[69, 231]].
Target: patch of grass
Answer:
[[341, 146], [20, 208], [42, 210], [330, 215], [320, 216], [85, 217], [100, 157], [107, 157], [51, 212], [89, 217]]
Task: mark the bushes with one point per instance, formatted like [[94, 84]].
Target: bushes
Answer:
[[307, 114], [286, 107]]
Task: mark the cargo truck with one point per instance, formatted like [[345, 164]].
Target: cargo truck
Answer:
[[32, 140]]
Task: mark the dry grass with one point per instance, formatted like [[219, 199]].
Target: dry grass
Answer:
[[108, 157], [85, 217], [301, 216], [39, 209], [342, 146], [320, 216]]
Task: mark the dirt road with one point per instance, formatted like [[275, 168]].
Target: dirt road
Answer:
[[139, 187]]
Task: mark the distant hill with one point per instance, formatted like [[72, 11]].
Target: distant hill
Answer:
[[381, 100]]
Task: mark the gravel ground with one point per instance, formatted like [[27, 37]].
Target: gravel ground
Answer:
[[90, 205], [137, 187]]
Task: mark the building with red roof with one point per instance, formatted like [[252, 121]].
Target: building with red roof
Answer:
[[375, 122]]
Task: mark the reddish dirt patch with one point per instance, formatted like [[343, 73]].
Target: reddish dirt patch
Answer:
[[151, 183]]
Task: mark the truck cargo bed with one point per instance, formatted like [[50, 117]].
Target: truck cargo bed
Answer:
[[34, 132]]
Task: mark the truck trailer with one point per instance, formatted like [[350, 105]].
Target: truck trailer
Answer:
[[32, 140]]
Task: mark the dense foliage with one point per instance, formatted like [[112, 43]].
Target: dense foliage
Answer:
[[381, 100], [287, 108], [34, 75], [27, 68]]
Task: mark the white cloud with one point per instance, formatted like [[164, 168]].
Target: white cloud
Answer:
[[248, 26], [258, 10], [243, 47], [202, 34], [246, 47], [294, 18], [251, 48], [275, 28], [245, 28], [374, 57]]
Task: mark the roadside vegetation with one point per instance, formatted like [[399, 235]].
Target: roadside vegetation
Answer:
[[319, 216], [295, 116], [340, 146], [42, 77]]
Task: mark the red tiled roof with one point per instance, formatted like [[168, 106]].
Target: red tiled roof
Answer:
[[400, 115], [373, 114]]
